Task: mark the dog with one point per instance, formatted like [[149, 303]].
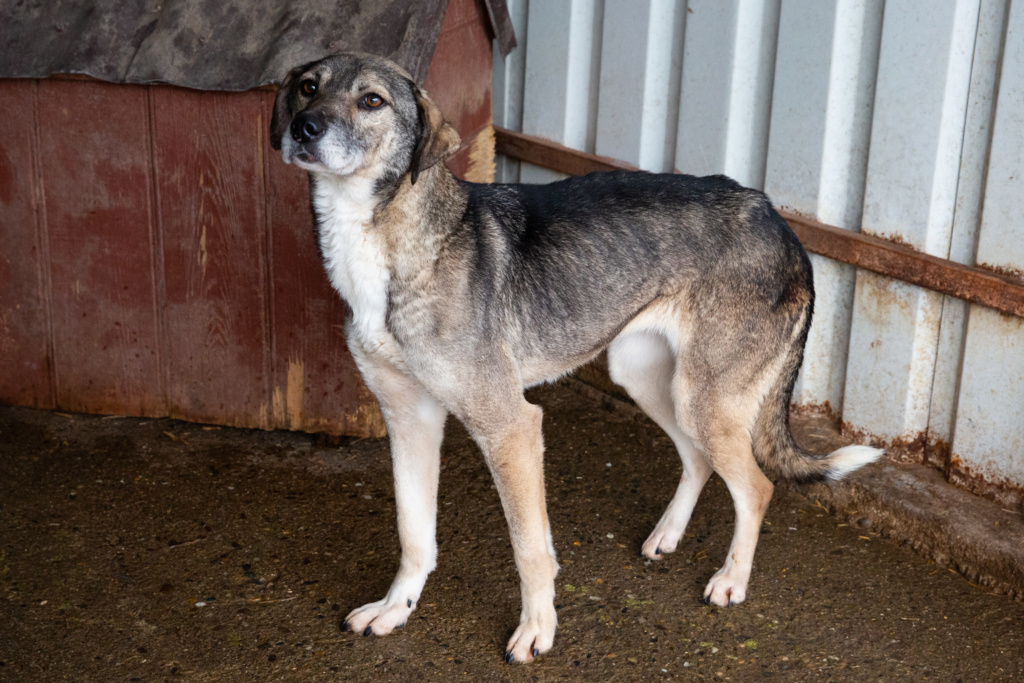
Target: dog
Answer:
[[460, 295]]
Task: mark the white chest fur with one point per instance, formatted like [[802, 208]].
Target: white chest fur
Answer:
[[353, 255]]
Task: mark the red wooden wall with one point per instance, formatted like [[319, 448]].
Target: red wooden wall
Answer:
[[157, 258]]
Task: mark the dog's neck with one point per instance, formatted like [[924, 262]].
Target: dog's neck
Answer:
[[373, 236]]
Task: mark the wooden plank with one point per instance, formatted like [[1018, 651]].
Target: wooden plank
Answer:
[[209, 148], [553, 155], [316, 385], [24, 333], [96, 179], [1003, 293], [1000, 292]]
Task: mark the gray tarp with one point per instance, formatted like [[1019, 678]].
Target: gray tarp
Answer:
[[211, 44]]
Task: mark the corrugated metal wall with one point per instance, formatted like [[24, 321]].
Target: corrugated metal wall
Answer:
[[903, 119]]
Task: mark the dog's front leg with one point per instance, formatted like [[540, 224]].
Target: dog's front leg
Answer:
[[415, 422], [514, 450]]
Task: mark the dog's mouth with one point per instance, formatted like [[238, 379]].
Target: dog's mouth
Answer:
[[300, 154], [324, 155]]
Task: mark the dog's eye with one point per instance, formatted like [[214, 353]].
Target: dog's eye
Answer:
[[308, 87], [372, 101]]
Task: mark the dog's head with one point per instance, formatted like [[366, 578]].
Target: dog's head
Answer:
[[357, 113]]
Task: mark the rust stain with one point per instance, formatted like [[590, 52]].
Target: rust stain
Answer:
[[1013, 274], [296, 393], [895, 239], [937, 454], [815, 410], [901, 449], [1007, 494], [881, 295], [923, 449]]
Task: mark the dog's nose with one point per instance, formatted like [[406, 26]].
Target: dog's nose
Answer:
[[307, 126]]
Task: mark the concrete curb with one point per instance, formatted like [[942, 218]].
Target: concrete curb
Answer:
[[915, 506]]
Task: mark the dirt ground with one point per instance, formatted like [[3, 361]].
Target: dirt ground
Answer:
[[152, 550]]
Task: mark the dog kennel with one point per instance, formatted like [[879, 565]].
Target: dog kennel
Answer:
[[157, 256]]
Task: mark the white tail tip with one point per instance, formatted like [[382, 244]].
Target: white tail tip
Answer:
[[850, 458]]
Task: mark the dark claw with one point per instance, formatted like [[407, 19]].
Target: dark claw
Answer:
[[536, 653], [731, 603], [658, 551], [408, 603], [509, 657], [368, 631], [345, 626], [707, 599]]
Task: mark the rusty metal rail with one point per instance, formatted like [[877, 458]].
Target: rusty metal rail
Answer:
[[970, 283]]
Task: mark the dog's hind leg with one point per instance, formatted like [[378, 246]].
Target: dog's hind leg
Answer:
[[415, 422], [643, 364], [729, 446]]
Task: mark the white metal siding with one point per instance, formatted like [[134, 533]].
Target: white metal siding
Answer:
[[903, 120], [989, 420]]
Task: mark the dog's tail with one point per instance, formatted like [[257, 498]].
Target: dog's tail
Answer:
[[773, 443]]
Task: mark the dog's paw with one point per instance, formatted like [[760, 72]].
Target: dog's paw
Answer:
[[379, 618], [663, 540], [726, 588], [534, 637]]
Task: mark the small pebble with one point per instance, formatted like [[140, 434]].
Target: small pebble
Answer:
[[200, 604]]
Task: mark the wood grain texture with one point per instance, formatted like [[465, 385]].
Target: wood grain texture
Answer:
[[209, 163], [93, 141], [24, 333], [315, 386]]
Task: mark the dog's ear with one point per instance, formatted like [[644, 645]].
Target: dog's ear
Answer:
[[438, 138], [279, 119]]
